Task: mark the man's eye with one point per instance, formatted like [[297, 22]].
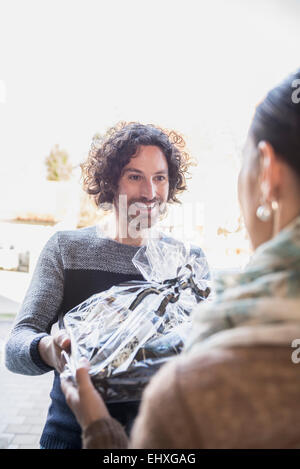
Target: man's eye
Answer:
[[161, 178], [134, 177]]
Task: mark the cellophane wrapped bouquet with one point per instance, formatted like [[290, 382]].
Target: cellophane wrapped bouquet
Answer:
[[130, 330]]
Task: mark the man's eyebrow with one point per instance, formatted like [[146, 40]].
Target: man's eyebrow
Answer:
[[126, 170], [163, 171], [134, 170]]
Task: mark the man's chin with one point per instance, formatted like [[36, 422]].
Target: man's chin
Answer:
[[143, 222]]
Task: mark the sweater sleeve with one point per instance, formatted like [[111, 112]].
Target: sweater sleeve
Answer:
[[105, 433], [39, 311]]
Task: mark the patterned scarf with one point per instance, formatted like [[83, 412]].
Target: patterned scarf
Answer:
[[260, 305]]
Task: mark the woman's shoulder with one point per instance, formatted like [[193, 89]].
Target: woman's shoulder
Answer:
[[211, 395], [218, 373]]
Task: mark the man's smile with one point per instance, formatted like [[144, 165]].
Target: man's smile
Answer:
[[145, 206]]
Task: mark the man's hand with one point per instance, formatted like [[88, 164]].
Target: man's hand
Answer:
[[85, 402], [51, 347]]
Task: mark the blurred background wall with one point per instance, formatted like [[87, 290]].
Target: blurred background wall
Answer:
[[71, 69]]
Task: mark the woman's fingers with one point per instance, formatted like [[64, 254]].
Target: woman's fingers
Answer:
[[83, 379], [69, 390], [83, 399]]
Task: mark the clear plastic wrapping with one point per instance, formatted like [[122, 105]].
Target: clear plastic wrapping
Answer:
[[130, 330]]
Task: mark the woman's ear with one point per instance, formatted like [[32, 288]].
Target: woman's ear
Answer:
[[270, 172]]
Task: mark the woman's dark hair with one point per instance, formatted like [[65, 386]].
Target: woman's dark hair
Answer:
[[111, 152], [277, 120]]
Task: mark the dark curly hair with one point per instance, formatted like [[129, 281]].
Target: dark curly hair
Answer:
[[112, 151]]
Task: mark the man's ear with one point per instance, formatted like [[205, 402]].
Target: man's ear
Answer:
[[270, 171]]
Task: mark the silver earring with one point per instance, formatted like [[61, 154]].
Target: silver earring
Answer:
[[263, 212]]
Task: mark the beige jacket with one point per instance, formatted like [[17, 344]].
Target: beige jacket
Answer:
[[237, 397]]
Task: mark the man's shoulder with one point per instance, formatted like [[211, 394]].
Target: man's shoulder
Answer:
[[77, 240], [77, 235]]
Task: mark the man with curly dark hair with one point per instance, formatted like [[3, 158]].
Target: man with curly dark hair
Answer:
[[135, 170]]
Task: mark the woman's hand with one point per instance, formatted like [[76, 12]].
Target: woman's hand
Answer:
[[85, 402]]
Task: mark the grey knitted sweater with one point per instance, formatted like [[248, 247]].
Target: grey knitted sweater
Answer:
[[72, 266], [64, 258]]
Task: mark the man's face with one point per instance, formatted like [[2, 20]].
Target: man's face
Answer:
[[143, 187]]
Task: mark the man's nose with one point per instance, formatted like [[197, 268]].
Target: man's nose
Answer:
[[148, 189]]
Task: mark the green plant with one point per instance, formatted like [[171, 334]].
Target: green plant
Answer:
[[59, 167]]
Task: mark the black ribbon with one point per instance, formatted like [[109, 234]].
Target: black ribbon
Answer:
[[179, 283]]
